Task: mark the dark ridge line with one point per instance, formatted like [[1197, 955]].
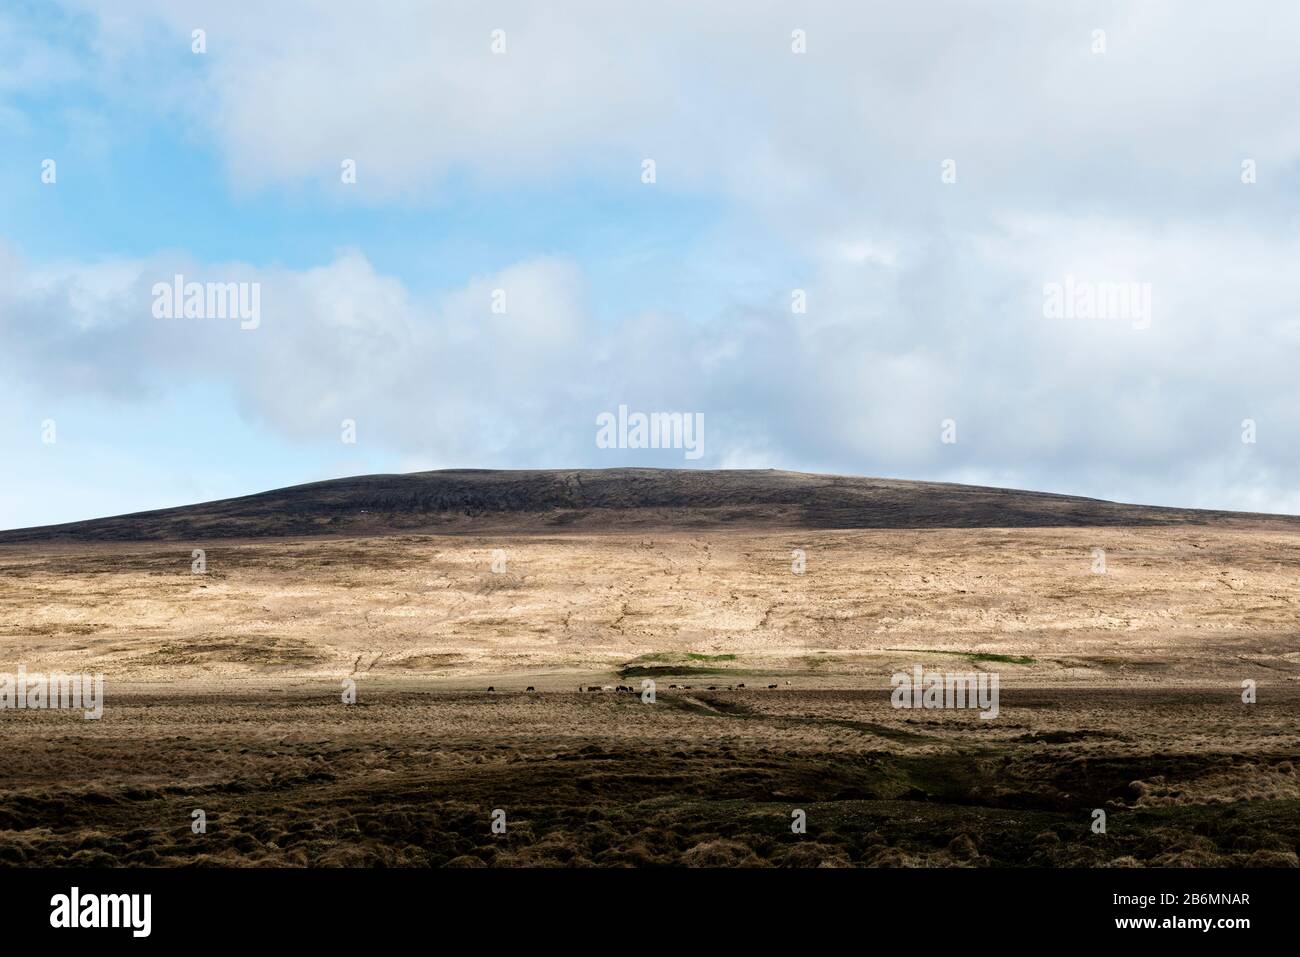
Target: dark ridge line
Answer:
[[463, 501]]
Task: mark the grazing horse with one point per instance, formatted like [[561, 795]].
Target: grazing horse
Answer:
[[531, 688], [771, 687]]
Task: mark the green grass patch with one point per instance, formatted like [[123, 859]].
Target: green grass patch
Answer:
[[660, 671], [971, 655], [676, 657]]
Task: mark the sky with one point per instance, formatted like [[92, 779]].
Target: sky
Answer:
[[844, 260]]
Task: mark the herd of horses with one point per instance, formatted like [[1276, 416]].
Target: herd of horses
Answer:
[[628, 689]]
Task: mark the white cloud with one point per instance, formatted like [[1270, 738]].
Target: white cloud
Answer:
[[925, 299], [1093, 406], [857, 125]]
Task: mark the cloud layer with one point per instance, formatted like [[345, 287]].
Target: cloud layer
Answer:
[[859, 383], [924, 298]]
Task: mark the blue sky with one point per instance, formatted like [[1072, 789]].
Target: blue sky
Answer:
[[821, 171]]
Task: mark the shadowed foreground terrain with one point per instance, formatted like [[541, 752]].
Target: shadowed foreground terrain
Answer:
[[410, 778], [1120, 690]]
